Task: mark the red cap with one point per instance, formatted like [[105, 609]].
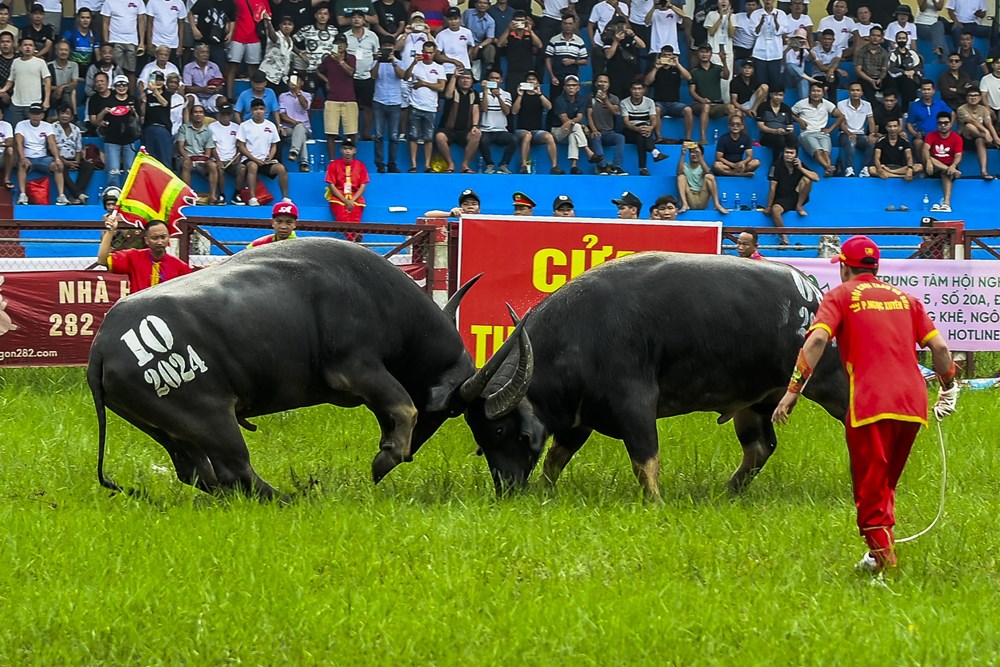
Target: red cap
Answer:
[[285, 208], [858, 252]]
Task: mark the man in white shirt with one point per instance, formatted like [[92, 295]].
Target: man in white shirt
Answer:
[[664, 17], [842, 27], [257, 142], [493, 111], [125, 31], [161, 63], [363, 44], [427, 81], [965, 15], [6, 150], [454, 43], [745, 32], [990, 86], [600, 17], [225, 134], [36, 144], [770, 24], [857, 131], [165, 25], [813, 114], [30, 80]]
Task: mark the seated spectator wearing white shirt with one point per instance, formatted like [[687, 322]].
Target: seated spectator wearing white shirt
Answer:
[[293, 110], [903, 23], [989, 85], [842, 27], [36, 144], [225, 134], [857, 131], [965, 16], [813, 115], [257, 141], [203, 80], [6, 151], [826, 60], [69, 141], [160, 64]]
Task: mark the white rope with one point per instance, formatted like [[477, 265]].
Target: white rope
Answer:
[[944, 483]]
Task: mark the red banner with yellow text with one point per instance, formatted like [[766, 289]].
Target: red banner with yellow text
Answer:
[[49, 318], [526, 259]]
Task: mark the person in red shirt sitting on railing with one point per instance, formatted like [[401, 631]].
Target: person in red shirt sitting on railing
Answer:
[[147, 266], [284, 214]]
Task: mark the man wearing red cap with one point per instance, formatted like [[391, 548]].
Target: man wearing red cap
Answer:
[[877, 327], [284, 214]]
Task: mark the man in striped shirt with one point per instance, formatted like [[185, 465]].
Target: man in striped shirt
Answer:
[[564, 55]]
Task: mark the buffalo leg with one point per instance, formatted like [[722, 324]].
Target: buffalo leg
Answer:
[[396, 415], [564, 445], [230, 460], [190, 464], [756, 435], [639, 434]]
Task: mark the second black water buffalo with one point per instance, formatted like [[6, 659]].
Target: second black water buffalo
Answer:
[[296, 323], [656, 335]]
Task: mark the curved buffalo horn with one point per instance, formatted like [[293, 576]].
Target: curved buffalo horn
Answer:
[[473, 388], [504, 399], [451, 308], [513, 315]]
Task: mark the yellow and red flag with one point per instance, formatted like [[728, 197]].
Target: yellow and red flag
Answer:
[[153, 192]]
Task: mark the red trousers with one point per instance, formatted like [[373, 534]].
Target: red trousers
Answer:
[[341, 214], [878, 454]]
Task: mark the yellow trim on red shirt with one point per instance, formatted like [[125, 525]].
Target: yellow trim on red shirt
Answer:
[[931, 334], [109, 263], [820, 325], [879, 417]]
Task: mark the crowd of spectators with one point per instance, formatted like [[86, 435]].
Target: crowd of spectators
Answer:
[[504, 75]]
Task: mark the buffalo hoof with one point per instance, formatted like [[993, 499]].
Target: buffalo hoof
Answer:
[[383, 464]]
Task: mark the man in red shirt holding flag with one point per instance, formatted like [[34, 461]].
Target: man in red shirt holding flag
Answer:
[[877, 327], [152, 199], [347, 179], [284, 214]]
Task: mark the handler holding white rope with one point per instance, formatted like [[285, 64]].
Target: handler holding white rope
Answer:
[[876, 326]]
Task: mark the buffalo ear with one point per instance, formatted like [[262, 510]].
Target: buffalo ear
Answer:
[[439, 398]]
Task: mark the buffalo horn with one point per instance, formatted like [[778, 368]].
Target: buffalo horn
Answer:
[[451, 308], [504, 399], [473, 388]]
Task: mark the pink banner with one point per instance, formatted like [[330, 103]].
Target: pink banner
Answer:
[[961, 296]]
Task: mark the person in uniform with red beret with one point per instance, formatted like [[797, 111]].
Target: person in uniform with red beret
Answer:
[[284, 215], [877, 327], [523, 204]]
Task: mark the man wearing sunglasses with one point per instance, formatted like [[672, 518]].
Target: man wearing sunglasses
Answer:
[[942, 155]]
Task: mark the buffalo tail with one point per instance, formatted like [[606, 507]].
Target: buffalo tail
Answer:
[[95, 374]]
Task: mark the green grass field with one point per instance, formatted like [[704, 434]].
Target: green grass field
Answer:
[[429, 568]]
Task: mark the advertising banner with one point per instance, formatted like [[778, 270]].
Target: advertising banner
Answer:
[[49, 318], [526, 259], [962, 297]]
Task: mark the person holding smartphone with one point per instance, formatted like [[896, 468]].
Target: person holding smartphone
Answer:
[[663, 18]]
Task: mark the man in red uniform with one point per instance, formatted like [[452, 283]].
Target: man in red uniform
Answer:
[[284, 214], [942, 155], [877, 327], [347, 179], [147, 266]]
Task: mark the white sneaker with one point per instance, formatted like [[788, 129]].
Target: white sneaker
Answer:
[[944, 208], [253, 202], [867, 564], [849, 172], [22, 198], [83, 198], [935, 207], [864, 172], [287, 200], [61, 200]]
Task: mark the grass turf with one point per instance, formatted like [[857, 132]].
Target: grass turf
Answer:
[[430, 568]]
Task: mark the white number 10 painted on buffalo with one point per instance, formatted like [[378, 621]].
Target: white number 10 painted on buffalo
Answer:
[[154, 336]]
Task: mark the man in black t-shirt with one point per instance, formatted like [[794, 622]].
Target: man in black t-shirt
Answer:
[[888, 110], [745, 92], [460, 120], [530, 105], [734, 151], [894, 155], [392, 16], [521, 43], [665, 77], [211, 21], [791, 183], [40, 33], [775, 122]]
